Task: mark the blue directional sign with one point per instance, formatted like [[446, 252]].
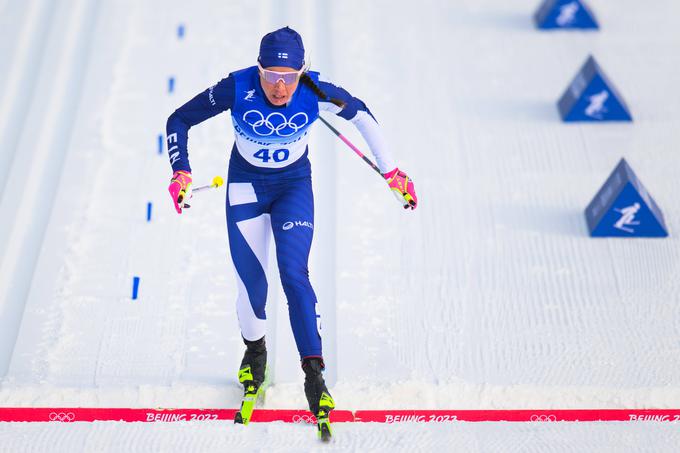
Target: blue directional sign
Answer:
[[569, 14], [624, 208], [592, 97]]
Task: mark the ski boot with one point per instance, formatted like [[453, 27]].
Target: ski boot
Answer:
[[319, 398], [252, 376]]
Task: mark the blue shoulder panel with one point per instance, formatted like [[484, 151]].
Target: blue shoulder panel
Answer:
[[353, 104]]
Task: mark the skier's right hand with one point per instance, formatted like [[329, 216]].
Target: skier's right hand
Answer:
[[180, 189]]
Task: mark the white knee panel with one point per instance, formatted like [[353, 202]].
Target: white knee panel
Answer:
[[257, 233]]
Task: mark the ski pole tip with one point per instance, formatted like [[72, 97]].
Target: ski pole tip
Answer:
[[217, 181]]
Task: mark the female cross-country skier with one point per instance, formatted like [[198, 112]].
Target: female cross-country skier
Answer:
[[269, 189]]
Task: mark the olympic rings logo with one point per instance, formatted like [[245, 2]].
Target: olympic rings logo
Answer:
[[62, 416], [304, 419], [543, 418], [275, 123]]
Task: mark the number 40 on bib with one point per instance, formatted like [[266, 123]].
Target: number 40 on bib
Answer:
[[277, 155]]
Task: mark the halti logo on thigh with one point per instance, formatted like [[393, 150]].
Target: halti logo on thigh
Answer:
[[290, 225]]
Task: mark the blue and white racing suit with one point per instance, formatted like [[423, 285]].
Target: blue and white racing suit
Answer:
[[270, 188]]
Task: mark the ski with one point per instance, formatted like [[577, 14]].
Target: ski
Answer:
[[323, 427], [323, 423]]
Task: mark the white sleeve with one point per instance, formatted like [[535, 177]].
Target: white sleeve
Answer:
[[375, 138], [357, 113]]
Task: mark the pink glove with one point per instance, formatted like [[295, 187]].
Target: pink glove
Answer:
[[180, 189], [402, 187]]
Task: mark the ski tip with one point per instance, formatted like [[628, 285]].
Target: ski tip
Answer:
[[325, 432], [238, 419]]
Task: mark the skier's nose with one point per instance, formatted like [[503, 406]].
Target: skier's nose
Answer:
[[280, 89]]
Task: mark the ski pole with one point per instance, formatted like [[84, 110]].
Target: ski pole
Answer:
[[348, 143], [217, 181]]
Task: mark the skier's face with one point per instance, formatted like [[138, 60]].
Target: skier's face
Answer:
[[278, 93]]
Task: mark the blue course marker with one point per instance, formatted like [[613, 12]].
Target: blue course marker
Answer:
[[180, 31], [171, 84], [591, 96], [160, 143], [565, 14], [149, 206], [624, 208], [135, 287]]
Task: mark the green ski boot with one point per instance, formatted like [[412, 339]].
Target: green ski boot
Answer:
[[318, 397], [252, 375]]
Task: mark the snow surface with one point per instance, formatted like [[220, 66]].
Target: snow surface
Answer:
[[356, 437], [489, 295]]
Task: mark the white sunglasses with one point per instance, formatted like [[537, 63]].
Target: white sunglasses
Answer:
[[273, 77]]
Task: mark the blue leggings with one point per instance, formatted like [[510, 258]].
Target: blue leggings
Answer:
[[256, 206]]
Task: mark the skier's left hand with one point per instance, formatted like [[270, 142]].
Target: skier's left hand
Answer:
[[402, 187]]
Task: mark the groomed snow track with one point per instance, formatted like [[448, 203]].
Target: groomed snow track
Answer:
[[42, 84]]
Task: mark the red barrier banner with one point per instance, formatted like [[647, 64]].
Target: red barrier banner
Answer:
[[559, 415], [84, 414]]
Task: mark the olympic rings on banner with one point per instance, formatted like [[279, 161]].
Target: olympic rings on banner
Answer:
[[304, 419], [275, 123], [62, 417], [543, 418]]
